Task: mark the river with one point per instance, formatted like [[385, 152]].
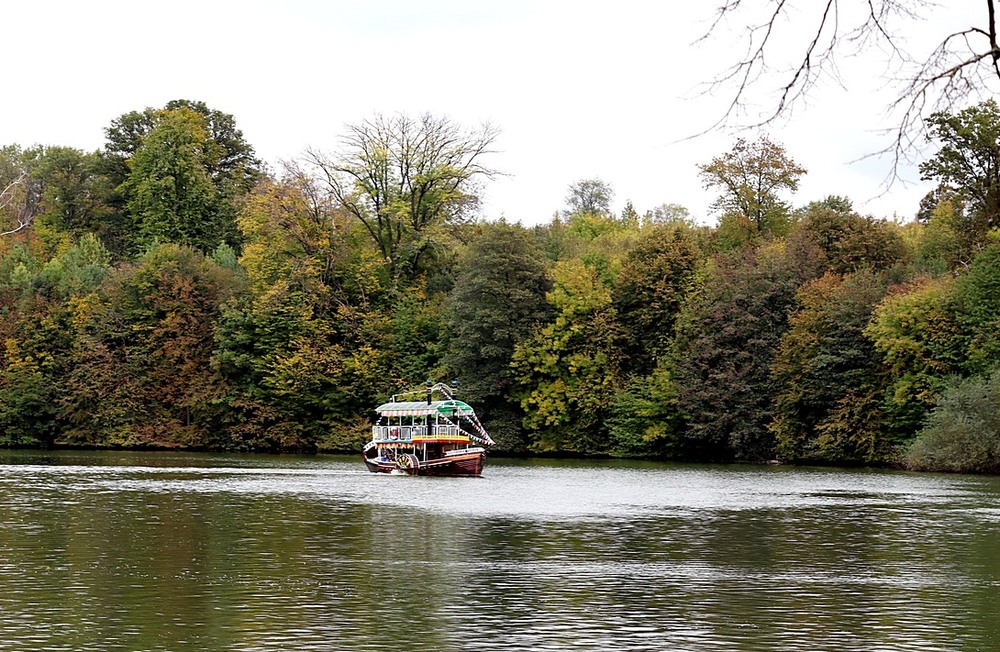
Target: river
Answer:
[[166, 551]]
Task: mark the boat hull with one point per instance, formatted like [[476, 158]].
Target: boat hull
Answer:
[[467, 465]]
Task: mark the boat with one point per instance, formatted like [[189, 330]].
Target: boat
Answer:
[[439, 435]]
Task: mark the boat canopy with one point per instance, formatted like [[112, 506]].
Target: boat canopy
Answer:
[[447, 408]]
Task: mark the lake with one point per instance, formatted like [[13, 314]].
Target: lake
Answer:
[[165, 551]]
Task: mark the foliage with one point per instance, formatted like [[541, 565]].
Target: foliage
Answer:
[[942, 246], [830, 237], [303, 353], [569, 371], [727, 336], [963, 431], [233, 166], [181, 171], [824, 367], [72, 190], [645, 418], [654, 279], [916, 332], [978, 311], [967, 166], [589, 197], [33, 364], [751, 177], [303, 298], [405, 180], [498, 301], [141, 374], [172, 197], [668, 214], [19, 192]]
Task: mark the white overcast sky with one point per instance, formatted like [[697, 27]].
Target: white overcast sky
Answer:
[[578, 89]]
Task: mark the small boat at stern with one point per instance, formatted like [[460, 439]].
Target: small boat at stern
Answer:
[[439, 435]]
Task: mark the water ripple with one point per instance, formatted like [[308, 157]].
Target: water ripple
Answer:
[[177, 552]]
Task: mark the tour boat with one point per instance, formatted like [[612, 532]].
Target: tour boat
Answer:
[[439, 435]]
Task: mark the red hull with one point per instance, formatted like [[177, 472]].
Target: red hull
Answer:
[[451, 466]]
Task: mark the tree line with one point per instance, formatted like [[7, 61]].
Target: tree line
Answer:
[[169, 291]]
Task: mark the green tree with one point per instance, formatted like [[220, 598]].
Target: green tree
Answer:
[[234, 167], [73, 191], [407, 181], [751, 178], [589, 197], [941, 245], [916, 331], [727, 335], [27, 397], [645, 419], [654, 279], [498, 301], [180, 172], [978, 311], [171, 195], [568, 372], [967, 166], [825, 368], [38, 333], [37, 340]]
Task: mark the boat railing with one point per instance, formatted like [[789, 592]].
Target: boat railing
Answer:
[[471, 450], [391, 433]]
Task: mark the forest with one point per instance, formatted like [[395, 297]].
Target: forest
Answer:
[[169, 291]]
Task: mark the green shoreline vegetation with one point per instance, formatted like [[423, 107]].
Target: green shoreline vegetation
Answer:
[[168, 291]]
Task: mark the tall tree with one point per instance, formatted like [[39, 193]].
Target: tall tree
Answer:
[[181, 171], [589, 196], [727, 336], [825, 367], [569, 371], [234, 165], [407, 180], [303, 353], [654, 279], [751, 178], [172, 197], [967, 166], [498, 301]]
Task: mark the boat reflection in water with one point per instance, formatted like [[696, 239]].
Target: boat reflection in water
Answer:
[[436, 436]]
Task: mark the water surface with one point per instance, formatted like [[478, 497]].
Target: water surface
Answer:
[[113, 551]]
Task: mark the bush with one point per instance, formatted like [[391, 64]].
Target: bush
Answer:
[[962, 434]]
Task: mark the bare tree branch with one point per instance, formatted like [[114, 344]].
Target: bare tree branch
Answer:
[[23, 215], [964, 65]]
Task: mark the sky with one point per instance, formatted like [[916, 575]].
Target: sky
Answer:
[[578, 90]]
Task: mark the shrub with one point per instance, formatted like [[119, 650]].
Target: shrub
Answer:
[[962, 434]]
